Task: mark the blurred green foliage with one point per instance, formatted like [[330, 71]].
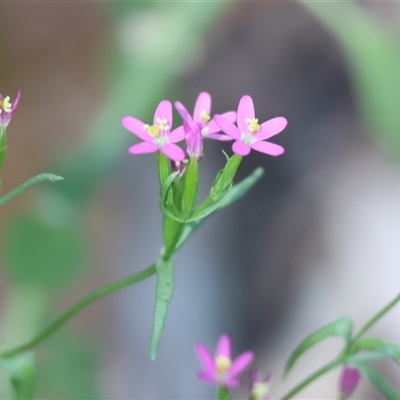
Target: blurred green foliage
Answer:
[[44, 249], [373, 57]]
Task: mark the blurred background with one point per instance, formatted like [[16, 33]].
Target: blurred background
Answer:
[[316, 238]]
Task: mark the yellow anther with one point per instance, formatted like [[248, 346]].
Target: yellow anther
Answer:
[[5, 105], [222, 363], [204, 116], [153, 130], [252, 124]]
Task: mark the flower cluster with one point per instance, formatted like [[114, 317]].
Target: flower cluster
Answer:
[[248, 134]]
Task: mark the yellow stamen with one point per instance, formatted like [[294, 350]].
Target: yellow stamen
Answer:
[[260, 390], [222, 363], [153, 130], [5, 105], [252, 124], [204, 116]]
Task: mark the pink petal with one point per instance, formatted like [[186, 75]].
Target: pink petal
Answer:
[[223, 347], [143, 148], [245, 110], [177, 135], [231, 382], [203, 102], [164, 110], [271, 127], [173, 151], [205, 376], [218, 136], [241, 148], [268, 148], [184, 113], [16, 101], [241, 363], [212, 125], [206, 359], [227, 127], [230, 116], [135, 126]]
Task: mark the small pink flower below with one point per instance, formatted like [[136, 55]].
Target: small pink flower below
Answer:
[[348, 381], [220, 369], [7, 109]]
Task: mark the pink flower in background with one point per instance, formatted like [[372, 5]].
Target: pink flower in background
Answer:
[[220, 369], [348, 381], [259, 387], [249, 134], [157, 136], [7, 109]]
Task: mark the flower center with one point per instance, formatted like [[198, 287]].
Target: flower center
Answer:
[[260, 390], [5, 105], [158, 130], [222, 363], [252, 124], [204, 116]]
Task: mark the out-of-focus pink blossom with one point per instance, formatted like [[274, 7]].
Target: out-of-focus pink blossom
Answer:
[[220, 369], [157, 136], [249, 134], [348, 381], [259, 387], [7, 109]]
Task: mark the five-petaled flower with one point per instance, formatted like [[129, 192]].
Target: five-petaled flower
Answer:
[[220, 369], [7, 109], [249, 134], [157, 136], [201, 125]]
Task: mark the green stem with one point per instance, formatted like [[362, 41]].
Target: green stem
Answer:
[[223, 393], [171, 248], [80, 305], [374, 319], [312, 378]]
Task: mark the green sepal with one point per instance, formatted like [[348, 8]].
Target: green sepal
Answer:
[[376, 378], [164, 167], [223, 393], [386, 349], [22, 373], [3, 146], [190, 186], [224, 178], [342, 327], [30, 182], [164, 291]]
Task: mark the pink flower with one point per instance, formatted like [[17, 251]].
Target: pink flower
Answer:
[[157, 136], [7, 109], [249, 134], [221, 370], [259, 387], [201, 125], [348, 381]]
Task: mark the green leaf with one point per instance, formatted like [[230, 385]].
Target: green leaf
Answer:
[[342, 327], [378, 345], [22, 372], [30, 182], [235, 194], [164, 291], [377, 379], [43, 253]]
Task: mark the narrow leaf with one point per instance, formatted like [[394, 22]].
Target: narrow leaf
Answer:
[[378, 345], [164, 291], [377, 379], [30, 182], [22, 372], [342, 327]]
